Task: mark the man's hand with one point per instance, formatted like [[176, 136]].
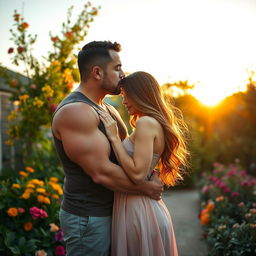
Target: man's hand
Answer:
[[154, 188]]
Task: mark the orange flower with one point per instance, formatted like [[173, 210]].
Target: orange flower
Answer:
[[55, 196], [40, 190], [28, 226], [23, 174], [54, 179], [53, 227], [40, 199], [12, 212], [25, 195], [29, 169], [210, 206], [220, 198], [47, 200], [205, 219]]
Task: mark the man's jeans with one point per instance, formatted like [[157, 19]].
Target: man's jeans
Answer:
[[86, 236]]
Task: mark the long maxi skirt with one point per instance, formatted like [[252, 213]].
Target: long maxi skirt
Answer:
[[141, 226]]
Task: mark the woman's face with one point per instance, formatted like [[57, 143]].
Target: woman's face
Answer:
[[129, 104]]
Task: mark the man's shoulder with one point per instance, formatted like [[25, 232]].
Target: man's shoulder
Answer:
[[76, 114]]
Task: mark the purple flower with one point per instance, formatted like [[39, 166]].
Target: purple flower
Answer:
[[59, 236]]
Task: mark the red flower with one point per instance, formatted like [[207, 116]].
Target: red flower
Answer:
[[16, 17], [53, 107], [68, 34], [10, 50], [25, 25], [59, 250], [55, 39], [14, 83], [20, 49]]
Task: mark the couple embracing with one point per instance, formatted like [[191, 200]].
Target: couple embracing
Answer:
[[112, 194]]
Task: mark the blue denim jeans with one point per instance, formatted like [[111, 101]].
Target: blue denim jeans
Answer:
[[86, 236]]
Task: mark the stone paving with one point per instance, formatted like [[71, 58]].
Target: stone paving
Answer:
[[184, 208]]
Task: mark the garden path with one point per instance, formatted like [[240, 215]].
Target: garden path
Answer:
[[184, 208]]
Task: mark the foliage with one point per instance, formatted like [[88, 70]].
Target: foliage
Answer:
[[48, 83], [29, 215], [228, 211]]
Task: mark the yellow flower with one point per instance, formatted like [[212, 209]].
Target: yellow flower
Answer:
[[30, 169], [37, 182], [28, 226], [25, 195], [15, 185], [54, 179], [40, 199], [47, 200], [12, 116], [48, 91], [30, 185], [29, 190], [23, 97], [38, 103], [40, 183], [40, 190], [23, 174], [56, 187], [9, 142], [12, 212]]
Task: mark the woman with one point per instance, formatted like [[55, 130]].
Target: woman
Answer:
[[142, 226]]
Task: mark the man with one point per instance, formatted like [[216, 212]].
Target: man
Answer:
[[90, 166]]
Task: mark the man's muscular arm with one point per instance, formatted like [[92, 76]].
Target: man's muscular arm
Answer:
[[76, 125]]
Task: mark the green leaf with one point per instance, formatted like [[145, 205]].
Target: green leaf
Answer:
[[14, 249]]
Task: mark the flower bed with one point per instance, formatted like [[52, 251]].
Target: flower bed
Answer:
[[228, 211], [29, 216]]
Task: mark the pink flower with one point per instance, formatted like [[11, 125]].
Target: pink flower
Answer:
[[234, 194], [245, 183], [59, 250], [241, 204], [21, 210], [40, 253], [33, 86], [243, 173], [37, 212]]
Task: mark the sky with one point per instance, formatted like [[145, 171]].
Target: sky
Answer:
[[210, 43]]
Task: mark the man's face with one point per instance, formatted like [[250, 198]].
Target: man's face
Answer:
[[113, 74]]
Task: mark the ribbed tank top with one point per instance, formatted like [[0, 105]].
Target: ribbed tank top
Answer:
[[81, 195]]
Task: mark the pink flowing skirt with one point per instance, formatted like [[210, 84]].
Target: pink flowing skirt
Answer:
[[141, 226]]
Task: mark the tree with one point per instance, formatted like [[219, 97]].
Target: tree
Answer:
[[47, 83]]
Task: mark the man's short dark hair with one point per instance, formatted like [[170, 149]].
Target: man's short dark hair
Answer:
[[95, 53]]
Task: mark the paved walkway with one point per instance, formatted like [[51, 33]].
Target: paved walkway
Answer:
[[184, 208]]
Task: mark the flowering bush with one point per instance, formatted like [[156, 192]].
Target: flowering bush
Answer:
[[29, 215], [228, 211], [48, 83]]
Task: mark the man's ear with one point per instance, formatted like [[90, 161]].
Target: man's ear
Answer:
[[97, 72]]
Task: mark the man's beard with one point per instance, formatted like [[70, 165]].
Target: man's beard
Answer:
[[113, 90]]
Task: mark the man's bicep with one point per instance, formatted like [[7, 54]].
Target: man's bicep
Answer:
[[87, 149]]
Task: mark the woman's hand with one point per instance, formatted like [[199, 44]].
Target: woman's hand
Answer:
[[110, 125]]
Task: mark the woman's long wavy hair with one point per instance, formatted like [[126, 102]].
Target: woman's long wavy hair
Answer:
[[146, 94]]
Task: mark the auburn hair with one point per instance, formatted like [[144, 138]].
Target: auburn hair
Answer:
[[146, 94]]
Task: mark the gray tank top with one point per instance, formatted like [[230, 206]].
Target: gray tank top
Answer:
[[82, 196]]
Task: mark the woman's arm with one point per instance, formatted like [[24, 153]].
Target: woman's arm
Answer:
[[136, 167]]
